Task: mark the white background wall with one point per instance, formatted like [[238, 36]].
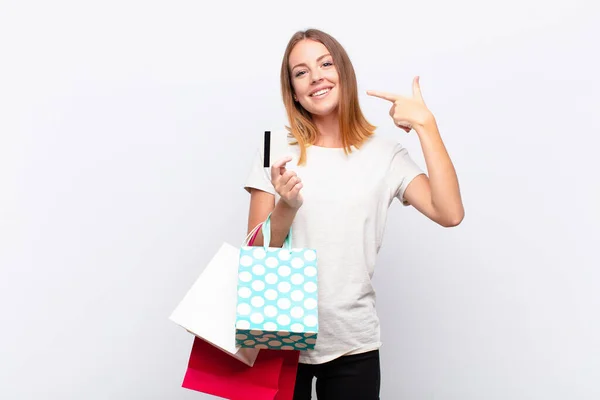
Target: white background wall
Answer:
[[127, 130]]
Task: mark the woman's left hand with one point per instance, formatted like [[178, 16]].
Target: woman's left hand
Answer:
[[407, 112]]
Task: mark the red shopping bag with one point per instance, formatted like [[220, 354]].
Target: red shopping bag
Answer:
[[212, 371]]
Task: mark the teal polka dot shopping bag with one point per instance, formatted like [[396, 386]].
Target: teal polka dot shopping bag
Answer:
[[277, 299]]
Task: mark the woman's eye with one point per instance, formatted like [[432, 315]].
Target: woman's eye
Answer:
[[325, 64]]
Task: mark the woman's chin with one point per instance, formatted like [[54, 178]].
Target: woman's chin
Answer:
[[324, 111]]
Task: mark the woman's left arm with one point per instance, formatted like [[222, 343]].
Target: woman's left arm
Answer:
[[437, 196]]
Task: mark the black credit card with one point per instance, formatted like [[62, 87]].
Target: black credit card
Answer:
[[267, 149]]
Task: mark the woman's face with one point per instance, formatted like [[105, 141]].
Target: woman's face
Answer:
[[314, 77]]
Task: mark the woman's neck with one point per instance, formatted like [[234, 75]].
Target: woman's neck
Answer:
[[328, 128]]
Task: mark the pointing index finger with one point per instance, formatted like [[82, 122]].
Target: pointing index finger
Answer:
[[383, 95]]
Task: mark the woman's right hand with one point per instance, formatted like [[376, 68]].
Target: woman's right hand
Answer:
[[286, 183]]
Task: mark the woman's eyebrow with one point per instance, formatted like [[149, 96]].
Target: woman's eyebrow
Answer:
[[318, 59]]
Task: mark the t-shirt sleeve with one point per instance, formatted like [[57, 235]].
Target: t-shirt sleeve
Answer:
[[402, 171], [259, 176]]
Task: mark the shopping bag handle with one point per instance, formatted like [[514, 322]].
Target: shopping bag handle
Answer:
[[249, 241], [266, 230]]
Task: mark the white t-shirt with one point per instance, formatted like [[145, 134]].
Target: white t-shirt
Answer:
[[343, 217]]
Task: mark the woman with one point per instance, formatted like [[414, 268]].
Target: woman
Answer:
[[336, 195]]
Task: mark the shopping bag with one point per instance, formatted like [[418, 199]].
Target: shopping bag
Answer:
[[214, 372], [209, 307], [277, 303]]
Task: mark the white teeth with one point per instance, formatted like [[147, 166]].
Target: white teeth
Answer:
[[320, 92]]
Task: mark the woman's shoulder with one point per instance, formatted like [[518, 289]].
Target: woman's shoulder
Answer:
[[381, 143]]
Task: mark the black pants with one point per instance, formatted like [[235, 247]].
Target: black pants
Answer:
[[349, 377]]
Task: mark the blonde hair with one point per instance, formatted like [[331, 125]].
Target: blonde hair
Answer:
[[354, 127]]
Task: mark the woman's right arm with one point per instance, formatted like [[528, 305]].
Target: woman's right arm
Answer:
[[288, 186]]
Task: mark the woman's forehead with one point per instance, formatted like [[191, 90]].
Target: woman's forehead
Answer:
[[307, 51]]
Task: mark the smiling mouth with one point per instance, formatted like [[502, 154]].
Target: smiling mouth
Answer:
[[321, 92]]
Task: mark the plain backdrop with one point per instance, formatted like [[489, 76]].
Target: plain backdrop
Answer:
[[128, 129]]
